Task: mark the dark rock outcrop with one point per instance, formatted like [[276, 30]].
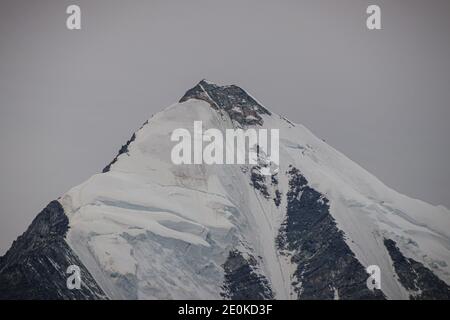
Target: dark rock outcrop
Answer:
[[123, 149], [326, 266], [242, 282], [239, 105], [415, 277], [258, 181], [277, 198], [35, 266]]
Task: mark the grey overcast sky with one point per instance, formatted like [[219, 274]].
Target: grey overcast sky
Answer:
[[70, 99]]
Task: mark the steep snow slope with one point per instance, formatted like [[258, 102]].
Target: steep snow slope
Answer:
[[149, 229], [368, 211]]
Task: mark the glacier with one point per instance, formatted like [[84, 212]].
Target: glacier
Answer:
[[146, 228]]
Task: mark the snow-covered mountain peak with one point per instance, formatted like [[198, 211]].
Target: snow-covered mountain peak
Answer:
[[147, 228], [240, 106]]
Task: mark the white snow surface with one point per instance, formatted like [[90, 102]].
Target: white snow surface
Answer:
[[149, 229]]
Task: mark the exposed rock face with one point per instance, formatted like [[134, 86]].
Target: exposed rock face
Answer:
[[258, 181], [242, 282], [241, 107], [415, 277], [123, 149], [35, 266], [326, 267]]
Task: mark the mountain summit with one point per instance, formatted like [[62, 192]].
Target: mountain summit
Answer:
[[146, 228], [239, 105]]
